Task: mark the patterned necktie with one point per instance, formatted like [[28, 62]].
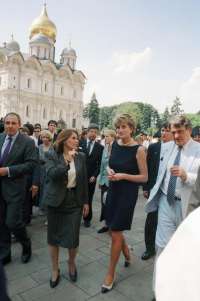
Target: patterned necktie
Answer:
[[172, 181], [89, 146], [6, 151]]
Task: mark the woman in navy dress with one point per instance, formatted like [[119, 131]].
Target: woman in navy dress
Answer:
[[127, 169]]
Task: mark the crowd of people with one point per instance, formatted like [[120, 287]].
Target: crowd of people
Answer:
[[57, 172]]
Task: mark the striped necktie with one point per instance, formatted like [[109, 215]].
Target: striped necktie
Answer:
[[89, 146], [172, 181]]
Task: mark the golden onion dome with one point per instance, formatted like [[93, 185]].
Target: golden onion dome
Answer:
[[43, 25]]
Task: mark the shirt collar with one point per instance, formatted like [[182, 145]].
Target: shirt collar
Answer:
[[88, 140], [13, 137], [187, 145]]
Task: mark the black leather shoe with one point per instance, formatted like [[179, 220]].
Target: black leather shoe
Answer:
[[148, 254], [107, 288], [103, 230], [26, 252], [7, 259], [127, 263], [87, 224], [54, 283], [73, 277]]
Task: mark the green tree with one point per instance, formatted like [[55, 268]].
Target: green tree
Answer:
[[130, 108], [91, 110], [176, 108], [105, 116], [194, 118], [166, 115]]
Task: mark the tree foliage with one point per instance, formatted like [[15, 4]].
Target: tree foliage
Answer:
[[195, 119], [145, 115], [176, 108], [166, 115], [91, 110]]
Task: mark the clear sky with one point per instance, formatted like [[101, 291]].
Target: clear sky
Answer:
[[129, 50]]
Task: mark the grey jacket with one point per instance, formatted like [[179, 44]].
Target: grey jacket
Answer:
[[57, 177], [21, 161], [194, 200]]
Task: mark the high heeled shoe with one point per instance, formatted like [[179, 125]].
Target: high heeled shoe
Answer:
[[107, 288], [127, 261], [54, 283], [73, 277]]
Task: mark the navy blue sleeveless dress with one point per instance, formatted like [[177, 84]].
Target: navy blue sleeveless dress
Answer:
[[122, 195]]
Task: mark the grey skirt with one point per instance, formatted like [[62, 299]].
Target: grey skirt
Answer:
[[64, 223]]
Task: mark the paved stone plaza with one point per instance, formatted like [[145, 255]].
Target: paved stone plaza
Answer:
[[31, 282]]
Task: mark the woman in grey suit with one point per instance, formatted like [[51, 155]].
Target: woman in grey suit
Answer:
[[66, 196]]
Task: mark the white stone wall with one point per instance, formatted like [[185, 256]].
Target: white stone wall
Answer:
[[40, 93]]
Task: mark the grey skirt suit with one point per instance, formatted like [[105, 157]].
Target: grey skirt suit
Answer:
[[64, 205]]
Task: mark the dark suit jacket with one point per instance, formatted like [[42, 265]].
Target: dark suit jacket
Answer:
[[56, 179], [21, 161], [153, 161], [3, 291], [93, 160]]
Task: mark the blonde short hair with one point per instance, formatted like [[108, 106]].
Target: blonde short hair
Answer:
[[127, 119], [47, 134], [111, 133]]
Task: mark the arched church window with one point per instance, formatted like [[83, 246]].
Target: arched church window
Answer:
[[46, 87], [44, 114], [60, 115], [27, 111], [29, 83], [61, 90], [74, 122], [45, 53], [74, 93]]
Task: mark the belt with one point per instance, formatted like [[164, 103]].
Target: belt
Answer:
[[176, 198]]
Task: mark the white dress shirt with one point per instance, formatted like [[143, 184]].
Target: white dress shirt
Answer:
[[92, 145], [71, 175], [185, 152]]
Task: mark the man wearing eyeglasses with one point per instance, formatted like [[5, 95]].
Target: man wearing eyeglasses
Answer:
[[36, 134], [52, 125]]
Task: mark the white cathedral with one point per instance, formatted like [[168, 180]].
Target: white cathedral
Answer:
[[37, 87]]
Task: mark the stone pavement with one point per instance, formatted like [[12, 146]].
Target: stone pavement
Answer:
[[31, 281]]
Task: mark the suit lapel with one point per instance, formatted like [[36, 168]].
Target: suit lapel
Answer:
[[166, 155], [15, 148], [84, 146], [61, 159], [2, 139], [77, 167], [93, 149]]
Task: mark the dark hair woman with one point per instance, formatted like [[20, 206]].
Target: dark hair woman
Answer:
[[127, 168], [66, 198]]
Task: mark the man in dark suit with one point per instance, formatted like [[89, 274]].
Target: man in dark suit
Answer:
[[93, 151], [153, 161], [3, 290], [18, 157], [52, 125]]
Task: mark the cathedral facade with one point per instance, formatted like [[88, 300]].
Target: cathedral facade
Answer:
[[37, 87]]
